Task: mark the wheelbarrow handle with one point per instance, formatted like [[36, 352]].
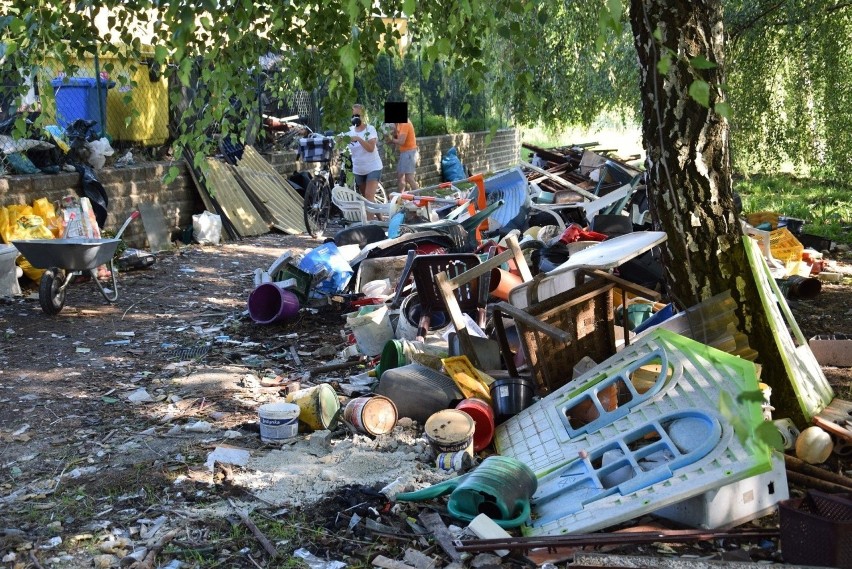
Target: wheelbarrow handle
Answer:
[[134, 215]]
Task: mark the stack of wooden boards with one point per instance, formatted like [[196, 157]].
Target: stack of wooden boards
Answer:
[[251, 196]]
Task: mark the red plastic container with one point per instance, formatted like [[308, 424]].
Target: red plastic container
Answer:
[[483, 417]]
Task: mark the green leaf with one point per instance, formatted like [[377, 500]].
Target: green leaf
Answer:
[[408, 7], [664, 64], [700, 91], [348, 60], [352, 10], [658, 34], [161, 53], [701, 62], [723, 110], [444, 47], [768, 434], [542, 16], [614, 7]]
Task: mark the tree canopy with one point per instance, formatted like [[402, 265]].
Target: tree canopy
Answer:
[[789, 79]]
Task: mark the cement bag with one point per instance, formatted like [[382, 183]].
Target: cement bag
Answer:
[[207, 228]]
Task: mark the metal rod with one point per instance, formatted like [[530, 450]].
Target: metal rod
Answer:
[[668, 536]]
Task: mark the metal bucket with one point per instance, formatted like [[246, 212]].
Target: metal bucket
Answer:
[[371, 415], [318, 406]]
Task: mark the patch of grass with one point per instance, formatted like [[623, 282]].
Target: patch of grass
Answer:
[[825, 206]]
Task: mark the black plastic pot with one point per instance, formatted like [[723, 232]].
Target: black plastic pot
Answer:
[[510, 396]]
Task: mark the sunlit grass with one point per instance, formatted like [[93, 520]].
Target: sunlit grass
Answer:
[[826, 207], [625, 142]]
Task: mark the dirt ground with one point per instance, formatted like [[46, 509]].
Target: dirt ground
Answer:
[[85, 473]]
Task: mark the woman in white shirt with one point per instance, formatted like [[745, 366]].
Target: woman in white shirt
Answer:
[[366, 162]]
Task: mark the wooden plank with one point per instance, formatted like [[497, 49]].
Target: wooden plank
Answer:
[[233, 200], [281, 204], [564, 183], [437, 528]]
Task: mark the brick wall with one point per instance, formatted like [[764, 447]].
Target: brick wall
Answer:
[[127, 187], [502, 152]]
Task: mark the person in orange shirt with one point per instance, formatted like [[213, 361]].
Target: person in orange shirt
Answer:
[[404, 139]]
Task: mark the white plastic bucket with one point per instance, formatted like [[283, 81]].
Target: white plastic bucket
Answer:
[[278, 421], [372, 329]]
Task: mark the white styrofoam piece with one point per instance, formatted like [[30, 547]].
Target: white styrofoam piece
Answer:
[[698, 375], [733, 504], [605, 255]]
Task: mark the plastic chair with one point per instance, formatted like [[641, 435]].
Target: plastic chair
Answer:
[[424, 269], [460, 293], [355, 207]]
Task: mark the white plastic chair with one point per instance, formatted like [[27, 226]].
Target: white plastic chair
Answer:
[[356, 208]]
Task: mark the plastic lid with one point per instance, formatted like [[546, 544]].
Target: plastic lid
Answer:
[[449, 426]]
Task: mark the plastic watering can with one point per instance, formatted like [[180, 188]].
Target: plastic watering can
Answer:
[[501, 488]]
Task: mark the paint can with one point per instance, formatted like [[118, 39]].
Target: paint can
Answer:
[[278, 421], [458, 462], [371, 415], [450, 431], [318, 406]]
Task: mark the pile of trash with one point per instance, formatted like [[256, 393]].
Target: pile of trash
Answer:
[[521, 321]]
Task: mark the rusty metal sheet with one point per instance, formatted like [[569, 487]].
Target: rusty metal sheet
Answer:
[[236, 205], [280, 203]]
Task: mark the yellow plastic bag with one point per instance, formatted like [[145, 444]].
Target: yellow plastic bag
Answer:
[[47, 211], [29, 226]]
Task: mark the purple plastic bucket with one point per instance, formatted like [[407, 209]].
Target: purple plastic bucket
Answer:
[[270, 303]]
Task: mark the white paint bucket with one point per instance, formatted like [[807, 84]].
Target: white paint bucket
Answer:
[[278, 421], [372, 329]]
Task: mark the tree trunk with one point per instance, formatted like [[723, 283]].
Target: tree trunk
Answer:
[[689, 173]]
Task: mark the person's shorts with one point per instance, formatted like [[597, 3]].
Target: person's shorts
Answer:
[[361, 179], [407, 162]]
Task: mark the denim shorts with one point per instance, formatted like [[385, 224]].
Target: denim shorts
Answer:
[[407, 162], [361, 179]]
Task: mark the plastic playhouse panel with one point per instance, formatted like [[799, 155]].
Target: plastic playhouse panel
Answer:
[[605, 255], [809, 382], [733, 504], [695, 376]]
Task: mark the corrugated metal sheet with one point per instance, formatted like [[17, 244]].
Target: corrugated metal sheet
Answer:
[[236, 205], [282, 204]]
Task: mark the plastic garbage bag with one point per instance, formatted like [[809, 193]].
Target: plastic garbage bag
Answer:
[[207, 228], [327, 258], [94, 190], [98, 151], [451, 166]]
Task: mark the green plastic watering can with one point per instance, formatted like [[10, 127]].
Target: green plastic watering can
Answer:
[[500, 487]]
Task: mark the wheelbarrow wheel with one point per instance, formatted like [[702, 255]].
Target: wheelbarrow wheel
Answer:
[[51, 295]]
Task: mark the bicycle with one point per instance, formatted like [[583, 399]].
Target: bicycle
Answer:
[[317, 201]]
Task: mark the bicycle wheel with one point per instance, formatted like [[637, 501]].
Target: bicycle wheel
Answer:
[[317, 206]]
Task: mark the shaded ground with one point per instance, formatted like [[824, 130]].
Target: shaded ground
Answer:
[[79, 462]]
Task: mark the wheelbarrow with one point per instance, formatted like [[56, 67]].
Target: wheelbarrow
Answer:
[[67, 258]]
